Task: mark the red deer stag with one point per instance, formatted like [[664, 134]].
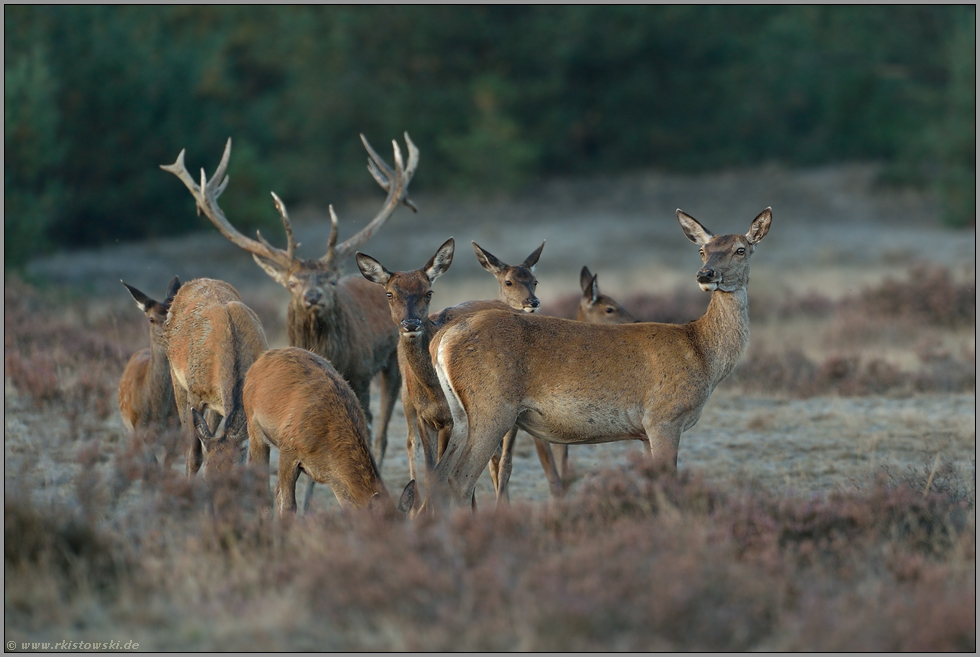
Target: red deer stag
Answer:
[[212, 338], [146, 394], [575, 383], [345, 320]]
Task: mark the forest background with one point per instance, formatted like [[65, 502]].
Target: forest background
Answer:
[[500, 97]]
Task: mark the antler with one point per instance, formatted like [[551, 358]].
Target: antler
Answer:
[[206, 194], [395, 182]]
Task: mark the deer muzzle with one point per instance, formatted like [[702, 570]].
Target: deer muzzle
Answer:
[[411, 327], [312, 298], [708, 279], [531, 305]]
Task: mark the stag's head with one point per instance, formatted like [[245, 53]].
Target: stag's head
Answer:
[[409, 292], [597, 308], [311, 282], [725, 258], [517, 282]]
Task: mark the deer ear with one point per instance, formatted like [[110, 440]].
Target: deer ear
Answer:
[[407, 500], [759, 227], [277, 273], [693, 229], [143, 301], [172, 290], [440, 262], [488, 261], [585, 280], [371, 269], [532, 259], [201, 425], [594, 289]]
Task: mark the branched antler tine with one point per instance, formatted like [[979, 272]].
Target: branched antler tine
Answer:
[[379, 169], [290, 239], [219, 180], [332, 242], [397, 189], [179, 170]]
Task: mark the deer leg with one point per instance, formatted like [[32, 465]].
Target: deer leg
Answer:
[[391, 382], [664, 438], [258, 452], [194, 455], [494, 468], [466, 456], [560, 453], [548, 464], [286, 486], [505, 465]]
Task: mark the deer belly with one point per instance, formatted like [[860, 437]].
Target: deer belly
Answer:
[[581, 423]]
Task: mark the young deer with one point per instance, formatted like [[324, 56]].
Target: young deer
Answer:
[[345, 320], [146, 394], [517, 286], [596, 308], [298, 403], [575, 383], [211, 339]]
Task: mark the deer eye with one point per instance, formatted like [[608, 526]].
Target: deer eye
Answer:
[[508, 283], [701, 251], [428, 296], [390, 295], [740, 251], [609, 310]]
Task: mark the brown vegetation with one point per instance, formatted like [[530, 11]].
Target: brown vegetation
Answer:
[[102, 541]]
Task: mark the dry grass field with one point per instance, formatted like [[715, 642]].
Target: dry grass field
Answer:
[[825, 500]]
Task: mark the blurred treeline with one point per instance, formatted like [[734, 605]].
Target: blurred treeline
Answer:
[[96, 97]]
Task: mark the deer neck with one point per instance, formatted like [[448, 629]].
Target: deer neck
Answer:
[[319, 331], [417, 355], [722, 333]]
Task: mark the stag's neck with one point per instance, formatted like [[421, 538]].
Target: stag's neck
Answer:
[[722, 333], [324, 333]]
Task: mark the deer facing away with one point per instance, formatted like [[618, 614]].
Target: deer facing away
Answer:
[[575, 383], [146, 394], [212, 339], [344, 319]]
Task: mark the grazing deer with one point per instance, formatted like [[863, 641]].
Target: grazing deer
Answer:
[[517, 286], [211, 338], [597, 308], [575, 383], [146, 394], [298, 403], [345, 320]]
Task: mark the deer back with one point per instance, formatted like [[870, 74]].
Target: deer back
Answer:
[[212, 338]]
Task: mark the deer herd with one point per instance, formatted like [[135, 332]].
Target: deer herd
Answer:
[[468, 376]]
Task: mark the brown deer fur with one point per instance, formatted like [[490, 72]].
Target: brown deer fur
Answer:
[[146, 394], [298, 403], [212, 338], [570, 382]]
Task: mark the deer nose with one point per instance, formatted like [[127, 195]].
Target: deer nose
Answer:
[[411, 325], [533, 303], [312, 297], [706, 275]]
